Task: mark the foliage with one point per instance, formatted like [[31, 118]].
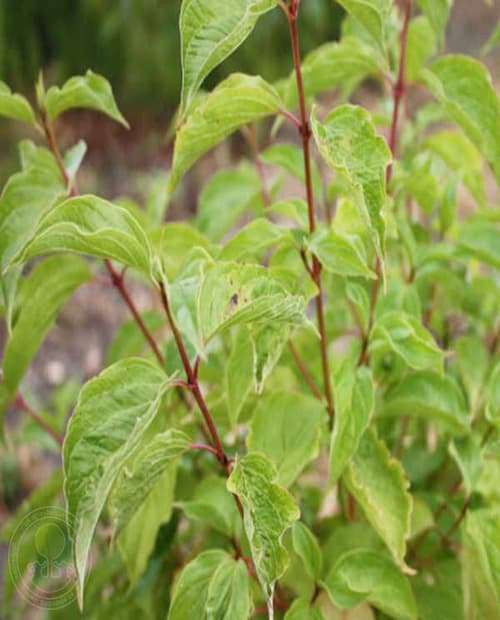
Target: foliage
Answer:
[[317, 428]]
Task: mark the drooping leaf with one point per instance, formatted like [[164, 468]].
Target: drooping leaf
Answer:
[[83, 91], [365, 575], [44, 291], [91, 225], [239, 377], [405, 336], [350, 146], [137, 480], [378, 484], [473, 362], [463, 86], [437, 12], [438, 591], [481, 240], [210, 32], [268, 341], [373, 18], [232, 294], [360, 301], [13, 105], [354, 403], [113, 412], [429, 395], [291, 441], [420, 47], [73, 158], [26, 197], [252, 239], [466, 452], [269, 510], [301, 609], [292, 208], [307, 547], [238, 100], [481, 563], [341, 254], [492, 410]]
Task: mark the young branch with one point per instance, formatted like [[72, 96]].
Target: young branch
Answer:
[[305, 133], [20, 403]]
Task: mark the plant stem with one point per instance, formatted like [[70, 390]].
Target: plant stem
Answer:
[[20, 403], [305, 373], [305, 133], [205, 447]]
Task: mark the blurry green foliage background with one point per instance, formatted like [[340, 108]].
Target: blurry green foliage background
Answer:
[[135, 44]]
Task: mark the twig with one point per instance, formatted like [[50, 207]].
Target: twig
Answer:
[[20, 403]]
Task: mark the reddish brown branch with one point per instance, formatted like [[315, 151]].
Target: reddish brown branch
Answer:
[[20, 403]]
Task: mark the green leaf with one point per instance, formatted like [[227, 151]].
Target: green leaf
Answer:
[[438, 591], [350, 146], [408, 338], [93, 226], [293, 208], [113, 412], [291, 159], [238, 100], [473, 364], [301, 609], [15, 106], [428, 395], [210, 32], [372, 16], [26, 197], [360, 301], [466, 452], [137, 480], [307, 547], [437, 12], [268, 341], [213, 585], [269, 510], [44, 291], [239, 377], [481, 240], [83, 91], [174, 243], [136, 540], [378, 484], [73, 158], [231, 294], [354, 404], [421, 46], [341, 254], [365, 575], [492, 410], [252, 239], [292, 440], [481, 563], [129, 340], [223, 200], [463, 86]]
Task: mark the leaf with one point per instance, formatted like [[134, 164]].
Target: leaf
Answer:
[[73, 158], [360, 301], [492, 410], [83, 91], [174, 242], [354, 404], [301, 609], [350, 146], [210, 32], [231, 294], [428, 395], [136, 540], [463, 86], [213, 585], [341, 254], [438, 591], [252, 239], [420, 47], [138, 478], [307, 547], [493, 42], [408, 338], [473, 363], [238, 100], [239, 377], [129, 340], [26, 196], [466, 452], [45, 291], [91, 225], [437, 12], [291, 159], [269, 510], [113, 412], [269, 342], [481, 563], [372, 16], [481, 240], [365, 575], [293, 208], [15, 106], [291, 441], [378, 484], [226, 196]]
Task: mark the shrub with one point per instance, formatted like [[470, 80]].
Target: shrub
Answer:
[[317, 430]]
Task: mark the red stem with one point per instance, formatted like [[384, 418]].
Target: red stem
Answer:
[[22, 404], [305, 373], [205, 447], [305, 133]]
